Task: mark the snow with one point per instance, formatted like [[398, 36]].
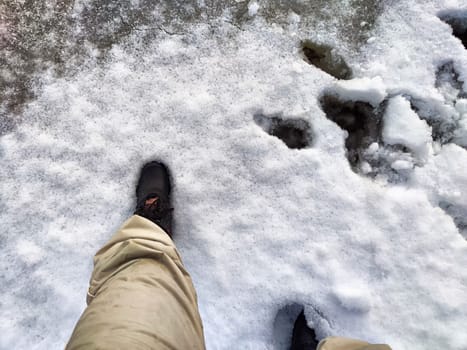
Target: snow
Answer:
[[460, 135], [253, 7], [461, 106], [263, 229], [29, 252], [401, 165], [353, 299], [371, 90], [373, 148], [366, 167], [402, 126]]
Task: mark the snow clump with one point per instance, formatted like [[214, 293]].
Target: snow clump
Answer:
[[371, 90], [402, 126]]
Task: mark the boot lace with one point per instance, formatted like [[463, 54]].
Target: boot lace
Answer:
[[156, 211]]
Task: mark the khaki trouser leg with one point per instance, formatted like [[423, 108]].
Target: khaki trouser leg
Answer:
[[340, 343], [140, 295]]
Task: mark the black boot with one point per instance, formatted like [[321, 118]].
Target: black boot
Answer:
[[153, 195], [303, 338]]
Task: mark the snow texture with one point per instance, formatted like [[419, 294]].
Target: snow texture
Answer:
[[371, 90], [263, 229], [402, 126], [253, 7], [460, 135]]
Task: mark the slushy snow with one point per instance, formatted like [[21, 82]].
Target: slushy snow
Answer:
[[263, 229]]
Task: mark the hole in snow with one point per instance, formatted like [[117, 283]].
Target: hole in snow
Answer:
[[361, 121], [458, 214], [325, 58], [284, 324], [367, 153], [458, 22], [295, 133]]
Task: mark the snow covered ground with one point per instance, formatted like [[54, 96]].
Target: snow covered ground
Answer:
[[363, 221]]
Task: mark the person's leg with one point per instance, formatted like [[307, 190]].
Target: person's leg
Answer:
[[140, 295], [304, 338], [341, 343]]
